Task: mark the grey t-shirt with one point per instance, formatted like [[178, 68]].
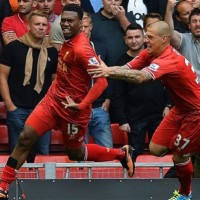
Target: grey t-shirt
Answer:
[[190, 48], [56, 34]]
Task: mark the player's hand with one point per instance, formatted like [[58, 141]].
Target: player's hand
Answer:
[[99, 70], [125, 127], [70, 104], [106, 105]]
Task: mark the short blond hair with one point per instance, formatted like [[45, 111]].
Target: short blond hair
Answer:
[[162, 28], [37, 13], [87, 15]]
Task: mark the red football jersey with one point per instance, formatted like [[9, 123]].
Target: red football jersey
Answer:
[[72, 78], [16, 24], [176, 73]]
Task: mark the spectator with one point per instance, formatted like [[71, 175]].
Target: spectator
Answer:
[[182, 10], [18, 59], [188, 43], [56, 34], [109, 25], [15, 26], [179, 132], [87, 28], [139, 108], [67, 105], [47, 6], [108, 28], [99, 125], [196, 4]]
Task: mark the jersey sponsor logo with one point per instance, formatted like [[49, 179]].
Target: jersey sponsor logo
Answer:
[[93, 61], [65, 56], [153, 67], [61, 65]]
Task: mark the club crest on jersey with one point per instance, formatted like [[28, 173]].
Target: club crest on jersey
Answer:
[[153, 67], [93, 61]]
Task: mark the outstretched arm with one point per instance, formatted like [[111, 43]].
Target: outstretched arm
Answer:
[[117, 72]]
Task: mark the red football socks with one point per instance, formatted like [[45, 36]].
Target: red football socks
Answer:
[[184, 172], [99, 153], [8, 176]]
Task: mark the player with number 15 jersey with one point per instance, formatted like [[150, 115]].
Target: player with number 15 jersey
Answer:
[[72, 80]]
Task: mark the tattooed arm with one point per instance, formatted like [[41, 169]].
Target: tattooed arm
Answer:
[[130, 75], [117, 72]]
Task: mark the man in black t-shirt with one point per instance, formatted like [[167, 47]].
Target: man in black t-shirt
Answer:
[[22, 59]]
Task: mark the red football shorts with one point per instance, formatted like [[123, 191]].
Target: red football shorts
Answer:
[[179, 132], [44, 118]]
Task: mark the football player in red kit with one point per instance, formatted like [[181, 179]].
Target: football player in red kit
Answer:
[[179, 131], [67, 105]]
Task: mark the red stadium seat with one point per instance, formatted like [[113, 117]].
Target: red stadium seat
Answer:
[[120, 137], [4, 138], [2, 110], [151, 172], [151, 158], [52, 158], [60, 172], [56, 142], [56, 137], [3, 158]]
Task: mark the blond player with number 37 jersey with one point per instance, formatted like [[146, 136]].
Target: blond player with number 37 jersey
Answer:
[[179, 131]]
